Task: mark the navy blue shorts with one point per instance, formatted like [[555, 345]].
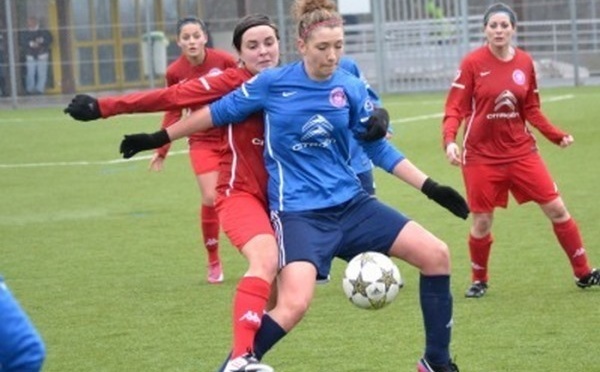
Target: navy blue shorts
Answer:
[[317, 236]]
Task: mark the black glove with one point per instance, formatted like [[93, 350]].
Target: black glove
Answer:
[[134, 143], [447, 197], [378, 125], [83, 108]]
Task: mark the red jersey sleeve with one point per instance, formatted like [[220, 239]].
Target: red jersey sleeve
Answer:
[[458, 102], [189, 93], [533, 114]]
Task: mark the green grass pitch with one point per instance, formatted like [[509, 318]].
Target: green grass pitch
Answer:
[[106, 257]]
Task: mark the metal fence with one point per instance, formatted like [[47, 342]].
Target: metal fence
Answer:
[[401, 45]]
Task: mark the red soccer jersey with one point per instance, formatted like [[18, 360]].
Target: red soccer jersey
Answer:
[[496, 99], [241, 167]]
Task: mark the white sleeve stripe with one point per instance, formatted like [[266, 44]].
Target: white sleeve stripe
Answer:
[[204, 83], [244, 90], [459, 86]]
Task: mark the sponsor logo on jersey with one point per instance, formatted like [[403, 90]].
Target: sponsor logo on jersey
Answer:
[[289, 94], [518, 77], [505, 106], [315, 133], [484, 73], [337, 97], [258, 141]]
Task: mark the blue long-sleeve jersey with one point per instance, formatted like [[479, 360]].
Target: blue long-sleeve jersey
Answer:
[[308, 125]]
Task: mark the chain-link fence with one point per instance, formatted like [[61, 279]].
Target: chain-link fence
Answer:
[[401, 45]]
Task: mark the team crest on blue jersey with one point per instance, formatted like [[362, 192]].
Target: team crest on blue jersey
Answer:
[[337, 97], [315, 133], [518, 77], [369, 105]]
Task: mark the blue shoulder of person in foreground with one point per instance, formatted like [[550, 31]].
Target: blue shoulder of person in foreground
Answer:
[[21, 347]]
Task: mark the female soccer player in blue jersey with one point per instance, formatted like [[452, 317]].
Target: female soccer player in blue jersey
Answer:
[[318, 208]]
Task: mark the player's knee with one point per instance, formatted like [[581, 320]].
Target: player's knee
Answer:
[[556, 211], [438, 260], [482, 225], [293, 308]]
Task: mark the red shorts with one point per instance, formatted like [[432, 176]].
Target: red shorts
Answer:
[[205, 158], [527, 179], [242, 217]]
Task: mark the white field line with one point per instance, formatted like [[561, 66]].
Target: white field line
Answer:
[[17, 120], [80, 163], [146, 157]]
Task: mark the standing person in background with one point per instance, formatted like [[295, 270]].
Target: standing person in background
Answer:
[[318, 208], [495, 92], [21, 347], [35, 46], [196, 61]]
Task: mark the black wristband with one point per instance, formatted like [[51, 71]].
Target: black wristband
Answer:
[[161, 137], [428, 186]]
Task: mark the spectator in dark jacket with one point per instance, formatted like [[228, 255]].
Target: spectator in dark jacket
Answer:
[[35, 46]]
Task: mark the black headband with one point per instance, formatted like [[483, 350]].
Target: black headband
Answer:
[[499, 8]]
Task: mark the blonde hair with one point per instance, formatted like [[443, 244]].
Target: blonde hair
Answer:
[[311, 14]]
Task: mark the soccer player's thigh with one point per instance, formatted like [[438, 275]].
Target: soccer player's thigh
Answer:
[[531, 181], [205, 157], [487, 186], [311, 236], [243, 217], [370, 225]]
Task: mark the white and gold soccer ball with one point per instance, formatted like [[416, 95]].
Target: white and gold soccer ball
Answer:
[[371, 280]]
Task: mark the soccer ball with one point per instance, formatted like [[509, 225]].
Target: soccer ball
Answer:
[[371, 280]]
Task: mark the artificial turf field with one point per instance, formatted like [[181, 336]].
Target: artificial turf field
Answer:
[[105, 256]]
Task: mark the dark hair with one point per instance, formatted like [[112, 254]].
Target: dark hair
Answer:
[[249, 21], [499, 8], [184, 21]]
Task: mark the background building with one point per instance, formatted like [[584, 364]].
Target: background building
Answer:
[[402, 45]]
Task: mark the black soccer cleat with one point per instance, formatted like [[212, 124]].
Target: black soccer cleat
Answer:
[[424, 366], [476, 290], [591, 279]]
